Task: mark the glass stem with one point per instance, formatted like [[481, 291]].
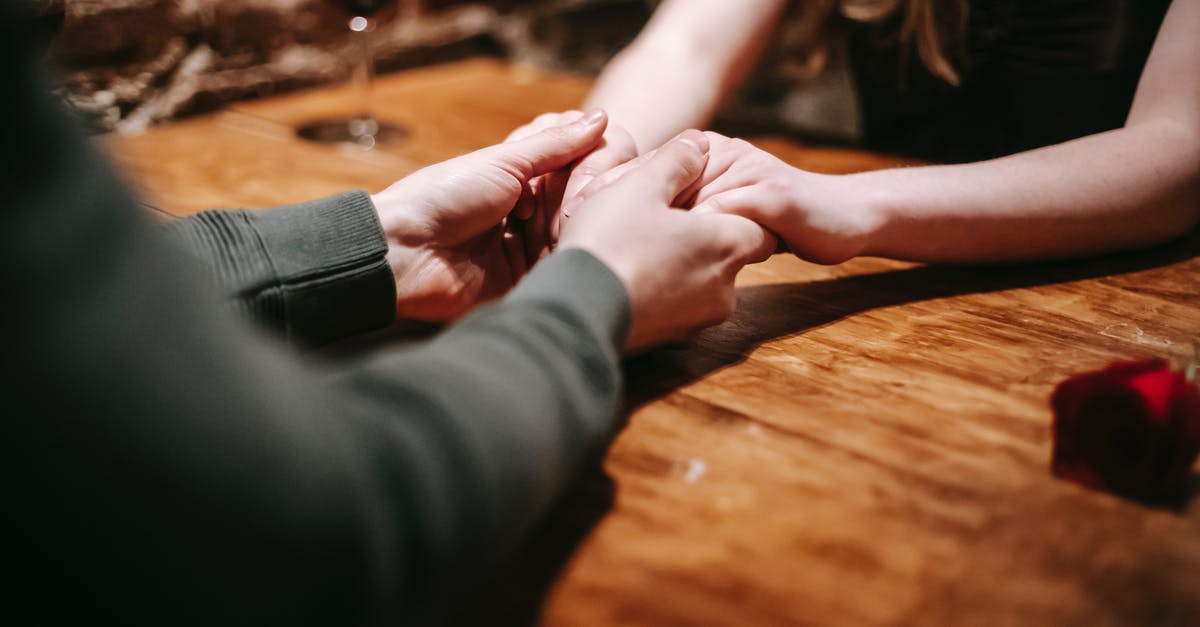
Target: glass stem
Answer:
[[363, 125]]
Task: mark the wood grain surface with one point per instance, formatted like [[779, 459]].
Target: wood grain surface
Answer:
[[862, 444]]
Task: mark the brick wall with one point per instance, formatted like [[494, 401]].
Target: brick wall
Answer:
[[130, 64]]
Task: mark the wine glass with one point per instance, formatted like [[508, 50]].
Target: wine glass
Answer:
[[361, 128]]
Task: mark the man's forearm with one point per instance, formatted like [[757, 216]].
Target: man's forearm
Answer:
[[471, 436], [171, 466]]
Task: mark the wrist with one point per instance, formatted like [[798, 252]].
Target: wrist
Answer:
[[829, 218], [404, 235], [870, 209], [401, 218]]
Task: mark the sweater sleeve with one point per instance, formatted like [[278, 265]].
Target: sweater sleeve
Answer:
[[498, 412], [313, 271], [167, 464]]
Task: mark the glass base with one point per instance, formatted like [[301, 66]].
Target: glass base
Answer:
[[366, 133]]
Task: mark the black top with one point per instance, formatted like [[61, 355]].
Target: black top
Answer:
[[1034, 72], [168, 464]]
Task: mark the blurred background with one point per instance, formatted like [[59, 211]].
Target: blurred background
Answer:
[[128, 65]]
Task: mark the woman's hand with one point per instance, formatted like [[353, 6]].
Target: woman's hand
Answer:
[[451, 245], [820, 217]]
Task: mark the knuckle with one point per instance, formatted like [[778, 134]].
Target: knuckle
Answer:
[[741, 145], [717, 139], [716, 204], [558, 132], [515, 169], [620, 135], [584, 172], [687, 158], [728, 303], [720, 307], [623, 146], [728, 250]]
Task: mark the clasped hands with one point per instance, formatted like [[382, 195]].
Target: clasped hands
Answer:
[[464, 231]]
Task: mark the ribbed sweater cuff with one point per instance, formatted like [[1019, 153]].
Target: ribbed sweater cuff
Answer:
[[315, 271], [329, 259]]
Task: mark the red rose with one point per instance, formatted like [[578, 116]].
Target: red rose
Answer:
[[1132, 428]]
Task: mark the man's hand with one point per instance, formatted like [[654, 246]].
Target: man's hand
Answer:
[[450, 246], [677, 266], [540, 210]]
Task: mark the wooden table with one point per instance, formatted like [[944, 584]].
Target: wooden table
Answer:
[[864, 444]]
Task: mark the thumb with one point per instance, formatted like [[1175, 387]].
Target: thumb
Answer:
[[745, 241], [767, 211], [549, 149], [673, 166]]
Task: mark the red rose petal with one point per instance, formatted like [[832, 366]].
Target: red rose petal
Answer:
[[1157, 389], [1132, 428]]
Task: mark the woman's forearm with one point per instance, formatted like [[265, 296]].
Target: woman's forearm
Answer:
[[655, 94], [689, 57], [1123, 189], [1131, 187]]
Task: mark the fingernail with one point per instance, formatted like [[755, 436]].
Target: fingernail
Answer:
[[593, 116], [694, 138]]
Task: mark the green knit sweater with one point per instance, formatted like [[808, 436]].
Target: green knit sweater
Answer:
[[170, 463]]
